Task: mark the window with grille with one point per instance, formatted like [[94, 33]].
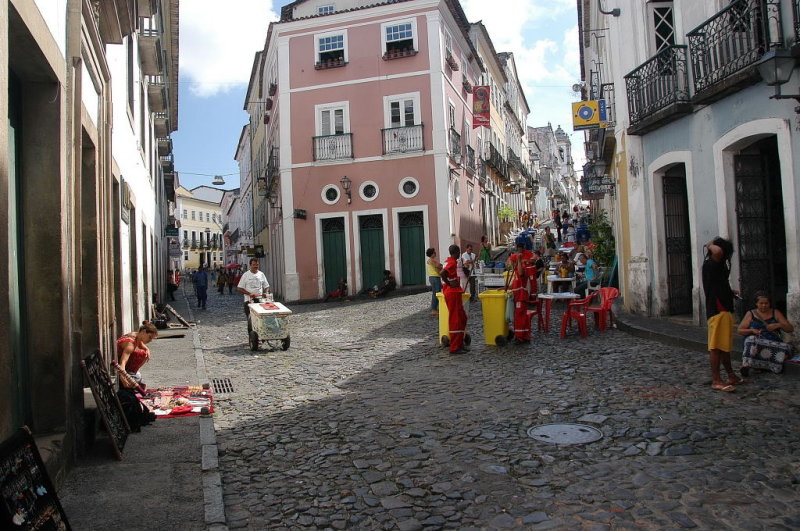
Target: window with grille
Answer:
[[330, 48], [399, 37], [663, 25]]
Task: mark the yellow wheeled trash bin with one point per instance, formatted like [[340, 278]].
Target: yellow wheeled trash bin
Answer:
[[444, 317], [495, 323]]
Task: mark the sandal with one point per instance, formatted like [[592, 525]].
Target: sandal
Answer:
[[726, 388], [735, 380]]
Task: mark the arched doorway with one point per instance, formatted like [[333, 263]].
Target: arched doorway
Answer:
[[678, 241], [760, 223]]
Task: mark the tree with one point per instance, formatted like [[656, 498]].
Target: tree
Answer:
[[603, 245]]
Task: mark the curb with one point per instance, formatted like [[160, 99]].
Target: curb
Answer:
[[678, 335], [213, 503]]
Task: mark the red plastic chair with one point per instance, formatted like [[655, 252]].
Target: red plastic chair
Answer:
[[535, 310], [603, 316], [576, 310]]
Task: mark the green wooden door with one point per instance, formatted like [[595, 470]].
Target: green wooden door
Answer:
[[412, 248], [20, 394], [372, 252], [334, 252]]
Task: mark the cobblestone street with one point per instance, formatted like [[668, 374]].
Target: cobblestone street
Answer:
[[366, 423]]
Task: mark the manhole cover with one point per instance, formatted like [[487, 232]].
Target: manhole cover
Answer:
[[222, 385], [565, 433]]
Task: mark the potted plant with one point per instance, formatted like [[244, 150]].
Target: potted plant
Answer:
[[506, 215]]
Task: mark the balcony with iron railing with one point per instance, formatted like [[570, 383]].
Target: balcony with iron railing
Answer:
[[725, 48], [481, 171], [333, 147], [470, 162], [194, 244], [402, 139], [186, 243], [454, 140], [658, 90], [497, 162]]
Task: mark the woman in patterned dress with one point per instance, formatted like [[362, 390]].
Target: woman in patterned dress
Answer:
[[764, 348]]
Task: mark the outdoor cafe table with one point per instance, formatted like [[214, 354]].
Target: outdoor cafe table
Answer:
[[548, 299], [552, 279]]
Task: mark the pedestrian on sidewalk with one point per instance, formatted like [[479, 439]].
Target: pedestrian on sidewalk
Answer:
[[434, 269], [452, 290], [200, 280], [719, 312], [252, 284], [172, 284]]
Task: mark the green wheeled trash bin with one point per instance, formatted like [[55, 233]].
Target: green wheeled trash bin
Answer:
[[444, 317], [495, 324]]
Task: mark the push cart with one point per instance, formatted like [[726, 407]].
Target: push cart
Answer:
[[268, 323]]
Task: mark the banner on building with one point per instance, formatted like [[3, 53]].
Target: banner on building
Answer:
[[589, 115], [481, 105]]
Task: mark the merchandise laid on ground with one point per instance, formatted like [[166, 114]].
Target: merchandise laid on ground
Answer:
[[181, 401]]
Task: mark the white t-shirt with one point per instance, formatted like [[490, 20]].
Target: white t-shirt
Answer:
[[464, 259], [253, 283]]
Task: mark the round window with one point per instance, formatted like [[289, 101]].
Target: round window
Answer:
[[369, 191], [330, 194], [409, 187]]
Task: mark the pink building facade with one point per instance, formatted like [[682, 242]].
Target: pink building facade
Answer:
[[363, 150]]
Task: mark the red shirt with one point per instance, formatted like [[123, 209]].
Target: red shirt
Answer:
[[450, 267], [137, 358]]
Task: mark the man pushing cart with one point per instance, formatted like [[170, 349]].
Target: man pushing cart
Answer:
[[266, 320]]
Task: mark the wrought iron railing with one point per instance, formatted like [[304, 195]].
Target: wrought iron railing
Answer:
[[481, 171], [470, 164], [455, 143], [733, 39], [185, 243], [497, 162], [333, 147], [594, 84], [194, 244], [659, 82], [402, 139]]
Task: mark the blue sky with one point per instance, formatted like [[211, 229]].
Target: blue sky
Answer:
[[215, 63]]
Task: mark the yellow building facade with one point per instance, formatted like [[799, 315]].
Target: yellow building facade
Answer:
[[200, 231]]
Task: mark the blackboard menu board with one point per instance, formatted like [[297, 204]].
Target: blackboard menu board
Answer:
[[27, 497], [107, 401]]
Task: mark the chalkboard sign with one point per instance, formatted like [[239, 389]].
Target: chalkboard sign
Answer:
[[107, 402], [27, 497]]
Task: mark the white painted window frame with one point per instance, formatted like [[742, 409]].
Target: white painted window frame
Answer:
[[319, 109], [318, 36], [415, 36], [387, 111]]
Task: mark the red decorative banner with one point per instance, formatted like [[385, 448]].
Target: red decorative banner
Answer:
[[480, 107]]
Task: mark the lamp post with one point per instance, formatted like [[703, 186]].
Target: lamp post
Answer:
[[346, 187]]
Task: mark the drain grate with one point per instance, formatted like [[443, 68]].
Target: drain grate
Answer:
[[222, 385], [565, 433]]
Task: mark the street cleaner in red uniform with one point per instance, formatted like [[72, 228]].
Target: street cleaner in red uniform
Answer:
[[452, 291], [522, 269]]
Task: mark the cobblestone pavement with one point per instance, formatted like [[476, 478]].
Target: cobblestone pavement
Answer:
[[366, 423]]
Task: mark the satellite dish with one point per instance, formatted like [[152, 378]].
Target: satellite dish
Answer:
[[577, 87]]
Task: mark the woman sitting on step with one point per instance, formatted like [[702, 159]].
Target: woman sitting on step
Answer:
[[764, 348]]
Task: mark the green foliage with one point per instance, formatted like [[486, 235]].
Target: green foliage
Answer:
[[604, 247], [506, 213]]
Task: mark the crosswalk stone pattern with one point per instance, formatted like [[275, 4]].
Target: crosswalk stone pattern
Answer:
[[367, 423]]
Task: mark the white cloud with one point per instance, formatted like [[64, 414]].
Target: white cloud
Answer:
[[545, 52], [218, 41]]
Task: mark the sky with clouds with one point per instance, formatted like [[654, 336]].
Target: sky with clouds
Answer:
[[216, 56]]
